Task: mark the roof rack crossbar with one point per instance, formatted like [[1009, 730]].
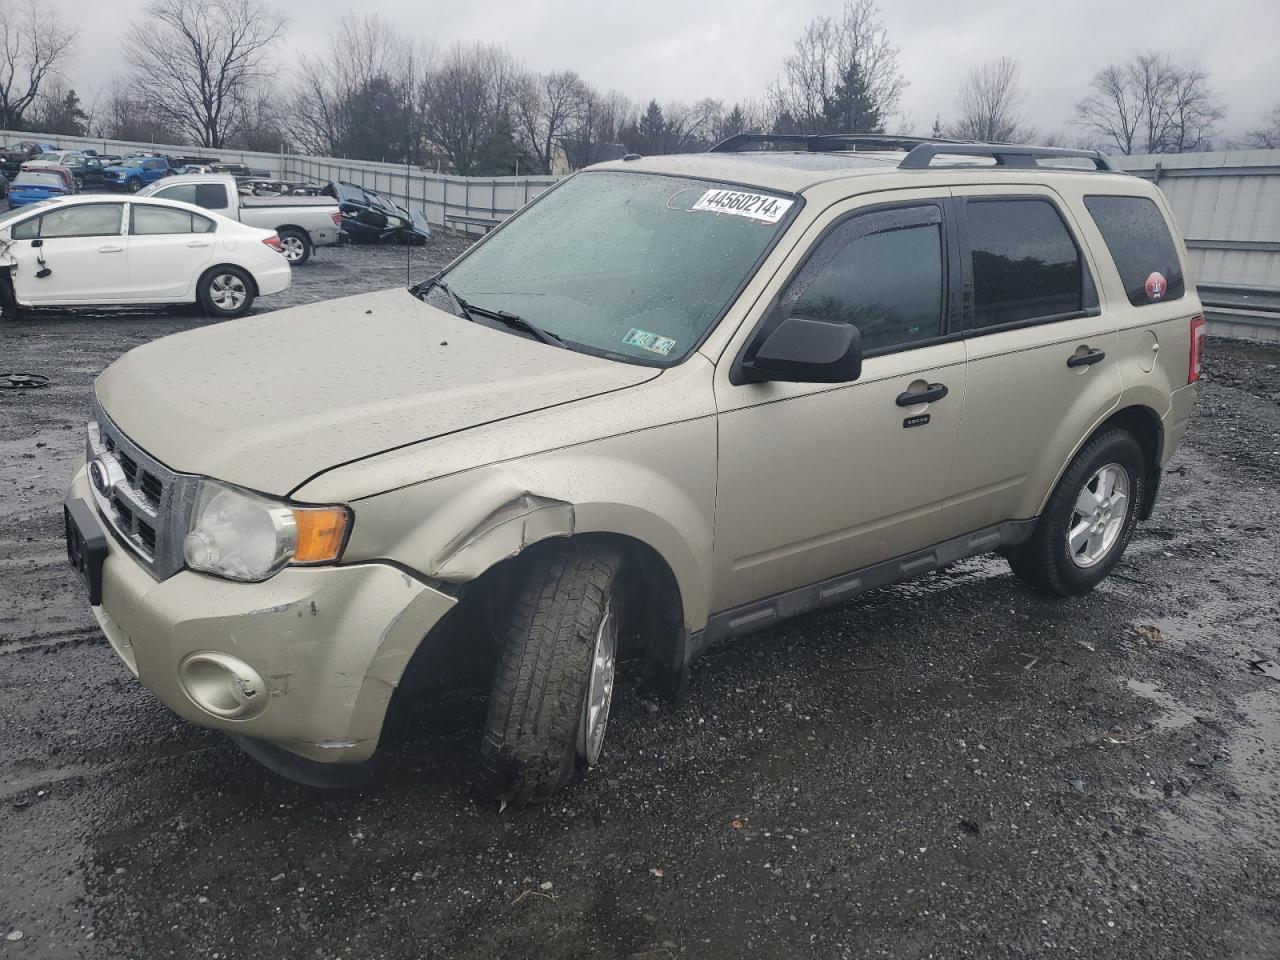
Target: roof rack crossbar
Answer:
[[824, 142], [1005, 155]]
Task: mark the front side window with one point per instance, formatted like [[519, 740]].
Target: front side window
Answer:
[[82, 220], [633, 266], [881, 272], [1141, 246], [1026, 266]]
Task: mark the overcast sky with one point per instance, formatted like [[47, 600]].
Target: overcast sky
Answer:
[[731, 49]]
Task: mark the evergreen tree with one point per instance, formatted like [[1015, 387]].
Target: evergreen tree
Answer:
[[937, 126], [851, 108]]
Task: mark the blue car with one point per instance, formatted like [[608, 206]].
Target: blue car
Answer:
[[32, 186], [134, 173]]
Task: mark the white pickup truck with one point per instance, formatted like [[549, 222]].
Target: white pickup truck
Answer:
[[302, 223]]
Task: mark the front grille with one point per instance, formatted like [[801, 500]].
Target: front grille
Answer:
[[146, 505]]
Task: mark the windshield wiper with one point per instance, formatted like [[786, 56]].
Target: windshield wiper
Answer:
[[520, 323], [460, 306]]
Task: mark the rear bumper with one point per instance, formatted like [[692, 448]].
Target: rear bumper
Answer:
[[273, 279], [330, 643]]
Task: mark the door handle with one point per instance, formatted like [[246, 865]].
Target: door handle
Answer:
[[1085, 359], [199, 243], [935, 391], [110, 248]]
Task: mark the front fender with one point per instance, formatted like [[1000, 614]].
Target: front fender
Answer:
[[655, 486]]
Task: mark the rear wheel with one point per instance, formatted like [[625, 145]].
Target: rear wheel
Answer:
[[226, 292], [1089, 519], [296, 245], [553, 688]]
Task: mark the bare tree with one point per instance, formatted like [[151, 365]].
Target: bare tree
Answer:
[[127, 116], [547, 109], [360, 97], [826, 55], [1150, 104], [1267, 137], [200, 60], [466, 99], [991, 99], [34, 43]]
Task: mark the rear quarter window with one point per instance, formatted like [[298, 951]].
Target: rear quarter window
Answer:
[[1139, 242]]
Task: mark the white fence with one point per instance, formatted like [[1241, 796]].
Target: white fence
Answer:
[[439, 195]]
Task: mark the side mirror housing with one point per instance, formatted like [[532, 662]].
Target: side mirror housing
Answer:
[[801, 350]]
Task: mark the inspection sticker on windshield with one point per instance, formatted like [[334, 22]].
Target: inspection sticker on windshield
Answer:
[[648, 341], [756, 206]]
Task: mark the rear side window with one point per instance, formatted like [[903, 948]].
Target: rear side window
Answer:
[[1026, 266], [1141, 246], [149, 221], [211, 196], [882, 273]]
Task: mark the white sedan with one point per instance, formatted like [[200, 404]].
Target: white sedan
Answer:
[[94, 250]]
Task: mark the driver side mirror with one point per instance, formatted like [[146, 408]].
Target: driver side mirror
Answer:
[[801, 350]]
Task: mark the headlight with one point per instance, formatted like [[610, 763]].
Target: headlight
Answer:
[[243, 536]]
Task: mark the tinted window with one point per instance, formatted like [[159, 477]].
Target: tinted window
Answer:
[[1140, 244], [82, 220], [148, 220], [1025, 264], [211, 196], [887, 284]]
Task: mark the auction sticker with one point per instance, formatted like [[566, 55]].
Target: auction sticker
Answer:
[[648, 341], [755, 206], [1156, 285]]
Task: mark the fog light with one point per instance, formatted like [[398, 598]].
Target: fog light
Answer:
[[223, 686]]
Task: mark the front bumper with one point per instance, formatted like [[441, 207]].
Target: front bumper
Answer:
[[331, 643]]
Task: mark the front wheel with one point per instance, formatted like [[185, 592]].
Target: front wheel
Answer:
[[226, 292], [554, 683], [134, 185], [79, 182], [1089, 519], [296, 246]]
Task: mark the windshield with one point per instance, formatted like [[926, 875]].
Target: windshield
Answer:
[[34, 179], [135, 162], [629, 265]]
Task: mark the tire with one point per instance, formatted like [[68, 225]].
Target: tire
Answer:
[[134, 185], [297, 246], [1051, 561], [226, 292], [567, 606], [8, 302], [79, 182]]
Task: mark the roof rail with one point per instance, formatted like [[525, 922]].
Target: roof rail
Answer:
[[1004, 154], [824, 142]]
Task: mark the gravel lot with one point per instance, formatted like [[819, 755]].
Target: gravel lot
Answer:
[[949, 768]]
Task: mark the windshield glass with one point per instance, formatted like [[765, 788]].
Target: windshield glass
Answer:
[[34, 179], [629, 265], [135, 162]]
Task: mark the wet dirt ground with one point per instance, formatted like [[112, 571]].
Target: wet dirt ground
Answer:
[[949, 768]]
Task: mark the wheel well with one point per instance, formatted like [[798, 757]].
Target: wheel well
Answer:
[[1145, 426], [296, 229], [465, 643]]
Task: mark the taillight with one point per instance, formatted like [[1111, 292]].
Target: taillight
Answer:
[[1198, 334], [273, 242], [337, 218]]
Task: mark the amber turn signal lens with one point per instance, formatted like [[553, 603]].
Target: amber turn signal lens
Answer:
[[321, 532]]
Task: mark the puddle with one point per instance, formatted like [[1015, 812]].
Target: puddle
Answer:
[[1175, 714]]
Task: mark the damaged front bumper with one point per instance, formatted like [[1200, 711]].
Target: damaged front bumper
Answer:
[[324, 647]]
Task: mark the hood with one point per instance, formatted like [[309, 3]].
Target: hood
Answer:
[[270, 401]]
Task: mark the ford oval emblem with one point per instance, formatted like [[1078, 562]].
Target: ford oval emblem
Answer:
[[98, 476]]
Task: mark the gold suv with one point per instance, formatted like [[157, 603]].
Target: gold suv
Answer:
[[672, 401]]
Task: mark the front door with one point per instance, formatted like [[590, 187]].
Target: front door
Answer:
[[816, 480], [74, 253]]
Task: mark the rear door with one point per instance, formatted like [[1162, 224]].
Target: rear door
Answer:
[[73, 253], [816, 480], [168, 249], [1041, 354]]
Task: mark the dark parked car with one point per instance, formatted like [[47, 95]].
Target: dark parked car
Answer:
[[86, 170], [15, 155], [371, 217]]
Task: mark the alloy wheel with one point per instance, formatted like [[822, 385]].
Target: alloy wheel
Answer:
[[595, 708], [1098, 515], [293, 248], [227, 292]]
